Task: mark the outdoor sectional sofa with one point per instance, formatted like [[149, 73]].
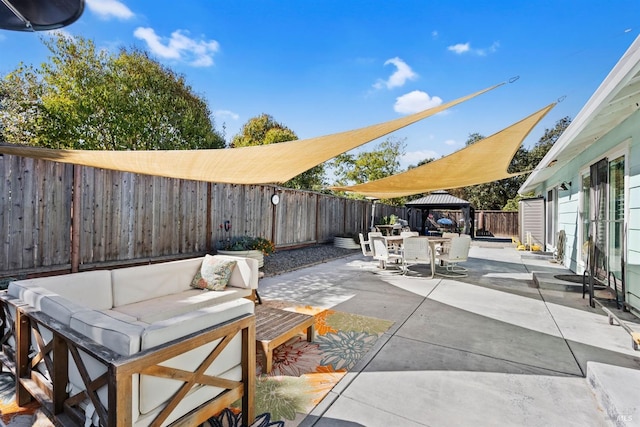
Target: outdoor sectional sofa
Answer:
[[133, 346]]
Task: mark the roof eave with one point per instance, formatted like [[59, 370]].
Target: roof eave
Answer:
[[615, 99]]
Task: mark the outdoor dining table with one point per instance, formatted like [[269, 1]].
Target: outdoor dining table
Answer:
[[386, 230], [396, 243]]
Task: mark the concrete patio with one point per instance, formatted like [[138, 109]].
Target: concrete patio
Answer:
[[488, 349]]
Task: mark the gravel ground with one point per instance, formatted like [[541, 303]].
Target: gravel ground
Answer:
[[282, 261]]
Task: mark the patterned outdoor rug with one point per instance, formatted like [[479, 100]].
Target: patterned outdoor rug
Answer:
[[302, 374], [10, 413]]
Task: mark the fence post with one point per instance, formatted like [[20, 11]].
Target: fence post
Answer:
[[75, 218]]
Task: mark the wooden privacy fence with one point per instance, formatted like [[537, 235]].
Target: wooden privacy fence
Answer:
[[496, 223], [57, 217]]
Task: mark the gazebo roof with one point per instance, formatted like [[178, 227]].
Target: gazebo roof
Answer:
[[438, 200]]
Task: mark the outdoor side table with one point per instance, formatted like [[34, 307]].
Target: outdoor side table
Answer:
[[275, 327]]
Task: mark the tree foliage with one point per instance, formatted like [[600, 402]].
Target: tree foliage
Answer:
[[90, 99], [264, 129], [365, 166]]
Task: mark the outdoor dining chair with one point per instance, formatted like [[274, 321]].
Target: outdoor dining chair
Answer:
[[381, 252], [458, 252], [415, 250], [365, 245], [444, 247]]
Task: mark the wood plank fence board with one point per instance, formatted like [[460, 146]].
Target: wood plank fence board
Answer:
[[126, 218]]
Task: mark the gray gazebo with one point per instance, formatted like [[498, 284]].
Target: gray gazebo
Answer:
[[441, 200]]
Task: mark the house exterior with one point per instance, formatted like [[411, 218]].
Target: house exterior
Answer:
[[590, 181]]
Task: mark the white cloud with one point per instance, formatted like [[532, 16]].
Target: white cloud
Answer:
[[107, 9], [434, 34], [399, 77], [459, 48], [415, 101], [225, 114], [415, 157], [450, 142], [462, 48], [198, 53]]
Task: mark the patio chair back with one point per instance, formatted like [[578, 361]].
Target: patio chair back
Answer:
[[365, 245], [458, 252], [444, 247], [381, 251], [459, 249], [371, 235], [415, 250]]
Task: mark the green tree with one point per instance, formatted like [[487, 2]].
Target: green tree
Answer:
[[365, 166], [91, 99], [534, 156], [264, 129]]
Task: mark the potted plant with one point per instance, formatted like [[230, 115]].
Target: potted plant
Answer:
[[246, 246], [347, 241]]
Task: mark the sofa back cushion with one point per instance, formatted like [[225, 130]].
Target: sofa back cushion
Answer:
[[135, 284], [89, 289], [245, 274]]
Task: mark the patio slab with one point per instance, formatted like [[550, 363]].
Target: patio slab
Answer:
[[488, 349]]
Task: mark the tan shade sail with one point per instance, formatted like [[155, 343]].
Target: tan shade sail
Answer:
[[264, 164], [484, 161]]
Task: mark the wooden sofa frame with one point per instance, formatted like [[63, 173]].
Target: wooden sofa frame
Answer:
[[63, 409]]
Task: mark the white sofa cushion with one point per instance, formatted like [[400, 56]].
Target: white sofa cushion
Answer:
[[168, 306], [193, 399], [61, 296], [154, 391], [135, 284], [245, 275], [46, 301], [180, 326], [117, 334]]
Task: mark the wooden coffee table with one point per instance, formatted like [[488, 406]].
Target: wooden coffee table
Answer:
[[275, 327]]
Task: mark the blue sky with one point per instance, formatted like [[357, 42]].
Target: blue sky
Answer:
[[327, 66]]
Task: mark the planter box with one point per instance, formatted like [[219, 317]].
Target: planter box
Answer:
[[345, 242], [255, 254]]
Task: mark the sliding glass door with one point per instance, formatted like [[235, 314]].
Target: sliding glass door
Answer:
[[602, 208]]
